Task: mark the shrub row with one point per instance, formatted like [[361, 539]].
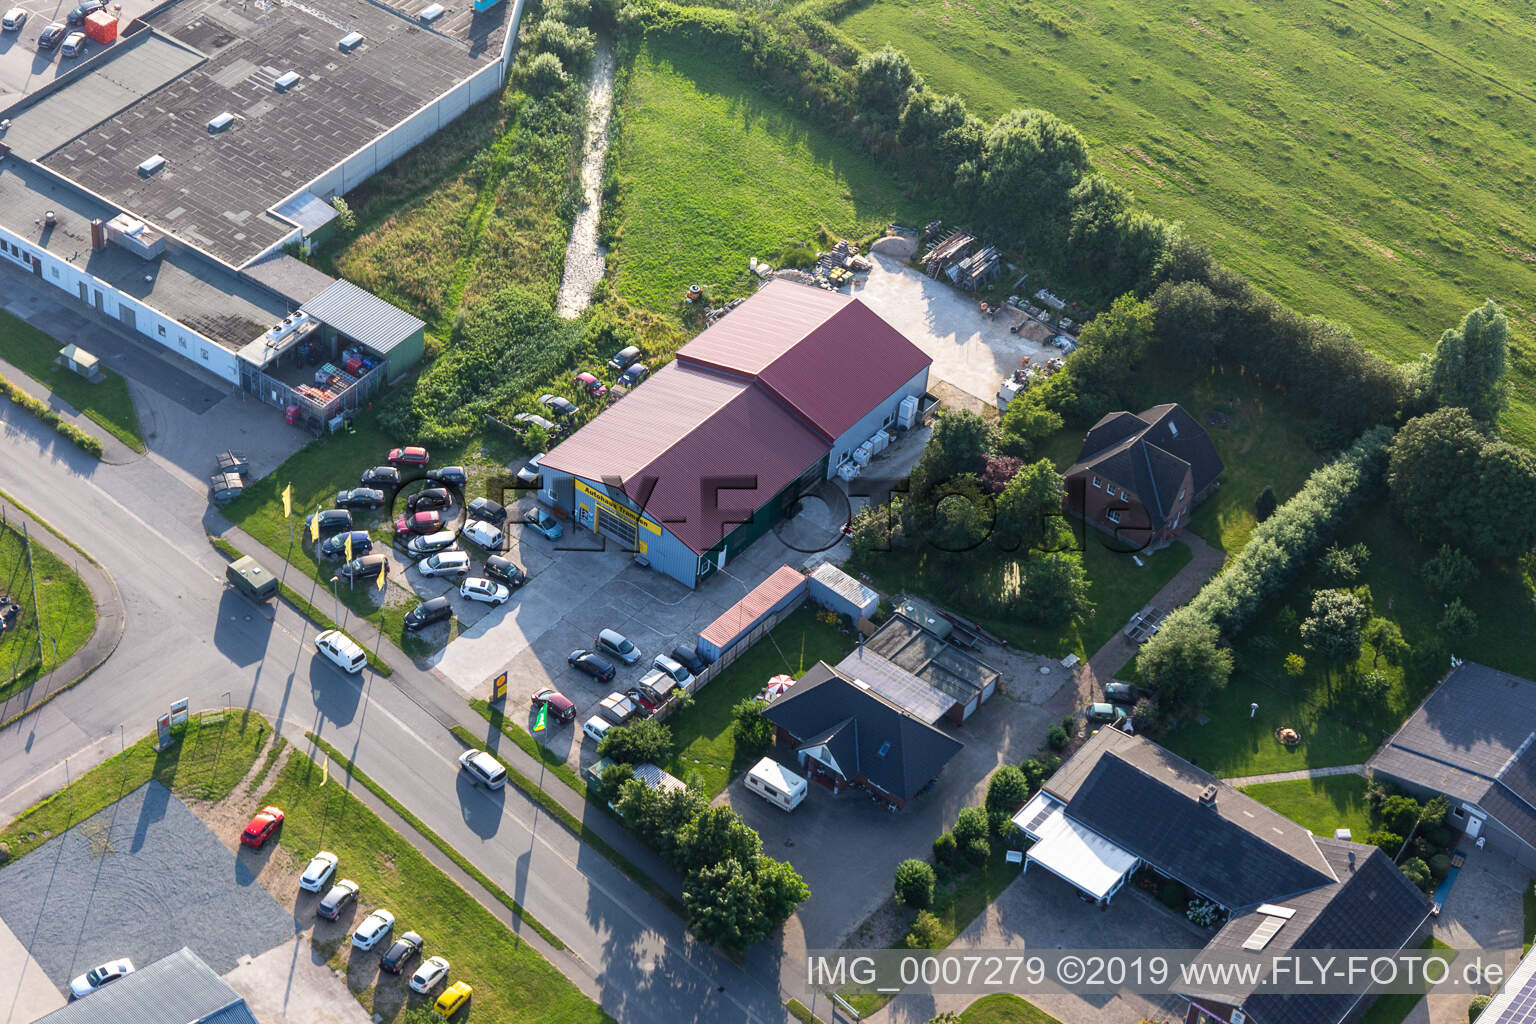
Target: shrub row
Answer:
[[79, 438]]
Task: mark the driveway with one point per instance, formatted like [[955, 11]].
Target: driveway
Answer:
[[971, 351]]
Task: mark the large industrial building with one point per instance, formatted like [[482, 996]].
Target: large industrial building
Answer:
[[757, 411], [163, 180]]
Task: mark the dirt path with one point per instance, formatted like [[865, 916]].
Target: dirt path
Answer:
[[584, 257]]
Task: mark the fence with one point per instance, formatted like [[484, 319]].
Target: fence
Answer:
[[744, 643]]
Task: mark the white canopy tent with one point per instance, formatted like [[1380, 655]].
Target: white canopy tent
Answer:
[[1072, 852]]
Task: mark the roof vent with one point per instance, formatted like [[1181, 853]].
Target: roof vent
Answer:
[[1173, 428], [151, 165], [1208, 796], [431, 12], [885, 748], [350, 42], [221, 122], [287, 82]]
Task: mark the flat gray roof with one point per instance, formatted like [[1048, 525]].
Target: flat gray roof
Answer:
[[207, 297], [363, 316], [172, 990]]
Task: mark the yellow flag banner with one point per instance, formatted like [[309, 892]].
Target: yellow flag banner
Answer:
[[314, 527], [288, 501], [349, 545], [383, 568], [325, 769]]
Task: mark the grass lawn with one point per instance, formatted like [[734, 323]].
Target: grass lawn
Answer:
[[714, 171], [1319, 805], [706, 756], [106, 404], [213, 753], [1395, 1007], [1359, 162], [66, 614], [1005, 1008], [524, 739], [512, 982]]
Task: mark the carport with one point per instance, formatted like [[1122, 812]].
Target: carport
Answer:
[[1071, 852]]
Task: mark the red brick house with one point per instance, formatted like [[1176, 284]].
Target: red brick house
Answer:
[[1140, 476]]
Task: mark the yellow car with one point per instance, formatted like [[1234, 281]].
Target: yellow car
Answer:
[[453, 999]]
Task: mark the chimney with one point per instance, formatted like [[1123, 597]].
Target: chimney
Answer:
[[98, 235], [1208, 796]]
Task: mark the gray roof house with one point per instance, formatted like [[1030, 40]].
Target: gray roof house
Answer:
[[1474, 741], [172, 990], [847, 734]]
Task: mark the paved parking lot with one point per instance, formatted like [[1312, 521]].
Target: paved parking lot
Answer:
[[140, 879], [24, 68]]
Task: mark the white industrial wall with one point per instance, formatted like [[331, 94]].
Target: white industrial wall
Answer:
[[148, 321], [874, 420]]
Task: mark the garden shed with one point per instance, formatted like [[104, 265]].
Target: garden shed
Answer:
[[780, 592], [832, 588]]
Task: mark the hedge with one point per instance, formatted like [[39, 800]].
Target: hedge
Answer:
[[85, 442]]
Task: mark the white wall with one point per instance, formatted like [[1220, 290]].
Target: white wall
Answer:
[[148, 321], [872, 421]]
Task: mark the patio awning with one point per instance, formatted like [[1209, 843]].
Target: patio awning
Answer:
[[1071, 851]]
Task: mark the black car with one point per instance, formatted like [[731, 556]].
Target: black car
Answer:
[[332, 520], [623, 358], [1120, 693], [451, 476], [380, 476], [504, 570], [336, 546], [360, 497], [586, 661], [429, 499], [561, 407], [52, 36], [688, 657], [84, 10], [436, 610], [364, 567], [488, 511], [400, 952], [335, 903]]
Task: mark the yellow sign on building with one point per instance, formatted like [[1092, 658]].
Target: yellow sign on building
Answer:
[[627, 515]]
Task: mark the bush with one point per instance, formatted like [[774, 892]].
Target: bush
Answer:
[[1006, 791], [1475, 1008], [1417, 872], [346, 220], [1295, 665], [754, 733], [545, 74], [1144, 715], [1058, 738], [1400, 813], [644, 741], [945, 849], [1264, 506], [1389, 842], [971, 824], [1173, 895], [927, 932], [1036, 771], [1202, 912], [915, 880], [977, 851], [1439, 866]]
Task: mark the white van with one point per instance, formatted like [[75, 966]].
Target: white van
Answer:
[[776, 784], [597, 727], [342, 649]]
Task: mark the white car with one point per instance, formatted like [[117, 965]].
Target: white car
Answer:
[[14, 19], [319, 872], [483, 768], [597, 727], [445, 563], [432, 970], [96, 977], [484, 534], [488, 591], [374, 927]]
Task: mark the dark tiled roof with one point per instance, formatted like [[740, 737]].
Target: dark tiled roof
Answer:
[[842, 743], [1111, 429], [894, 750], [1145, 800], [172, 990], [1149, 454]]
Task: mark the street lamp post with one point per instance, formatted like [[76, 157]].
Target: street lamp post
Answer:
[[336, 599]]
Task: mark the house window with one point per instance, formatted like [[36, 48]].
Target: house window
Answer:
[[1173, 428], [181, 340], [1113, 515], [205, 355], [1096, 481], [1458, 813], [55, 271], [161, 329], [1181, 495]]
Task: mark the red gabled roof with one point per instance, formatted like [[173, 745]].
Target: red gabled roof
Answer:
[[749, 609]]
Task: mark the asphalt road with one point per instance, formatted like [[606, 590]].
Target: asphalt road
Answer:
[[187, 636]]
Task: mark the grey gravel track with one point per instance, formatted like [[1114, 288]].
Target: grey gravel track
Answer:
[[140, 879]]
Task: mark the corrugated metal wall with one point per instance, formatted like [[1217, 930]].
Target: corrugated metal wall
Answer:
[[874, 420]]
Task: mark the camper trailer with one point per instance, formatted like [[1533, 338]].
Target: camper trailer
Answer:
[[776, 784]]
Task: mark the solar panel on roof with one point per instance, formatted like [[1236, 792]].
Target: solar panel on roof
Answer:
[[1039, 819]]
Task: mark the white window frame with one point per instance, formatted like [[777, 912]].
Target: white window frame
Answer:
[[1095, 481], [1113, 515]]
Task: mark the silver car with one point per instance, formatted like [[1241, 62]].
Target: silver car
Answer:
[[445, 563]]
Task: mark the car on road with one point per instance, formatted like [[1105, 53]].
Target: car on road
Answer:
[[611, 641], [332, 520], [420, 523], [623, 358], [369, 498], [374, 927], [528, 474], [340, 649], [596, 728], [485, 591], [52, 36], [633, 375], [432, 970], [559, 406], [445, 563], [266, 824], [402, 951], [483, 769], [410, 455], [542, 522], [421, 547], [484, 534], [1121, 693], [321, 867], [449, 476], [560, 707], [14, 19], [454, 998], [84, 9], [487, 511], [380, 476], [425, 614], [504, 570], [592, 663], [1102, 712], [432, 497], [97, 977], [335, 903], [591, 385], [364, 567], [689, 658], [335, 546]]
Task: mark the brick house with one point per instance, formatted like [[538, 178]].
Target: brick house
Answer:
[[1140, 476]]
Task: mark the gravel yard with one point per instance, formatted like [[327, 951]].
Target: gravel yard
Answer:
[[140, 879]]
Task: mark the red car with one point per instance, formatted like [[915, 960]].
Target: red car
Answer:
[[409, 456], [591, 385], [560, 707], [420, 522], [262, 827]]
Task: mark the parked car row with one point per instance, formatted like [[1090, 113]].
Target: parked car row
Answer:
[[667, 673]]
